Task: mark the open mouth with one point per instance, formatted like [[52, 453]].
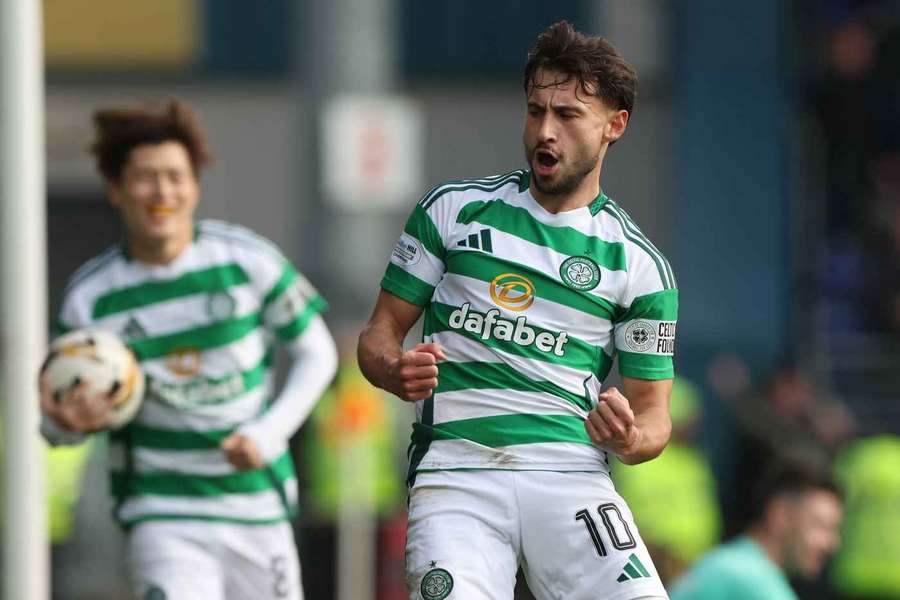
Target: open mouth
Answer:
[[545, 160], [159, 210]]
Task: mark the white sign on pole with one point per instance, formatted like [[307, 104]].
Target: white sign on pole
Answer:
[[371, 152]]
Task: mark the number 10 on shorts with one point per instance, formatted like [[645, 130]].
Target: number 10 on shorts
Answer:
[[616, 528]]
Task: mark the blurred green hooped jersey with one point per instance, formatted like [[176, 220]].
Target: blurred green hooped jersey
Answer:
[[530, 308], [202, 328]]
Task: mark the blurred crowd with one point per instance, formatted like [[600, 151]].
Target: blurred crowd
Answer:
[[787, 419], [856, 101]]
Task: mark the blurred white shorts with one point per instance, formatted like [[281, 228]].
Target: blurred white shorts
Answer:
[[572, 534], [191, 560]]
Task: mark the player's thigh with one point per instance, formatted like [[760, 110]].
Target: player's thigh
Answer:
[[261, 562], [172, 561], [580, 541], [462, 537]]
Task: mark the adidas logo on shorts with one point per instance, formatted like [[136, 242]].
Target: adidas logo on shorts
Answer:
[[633, 569]]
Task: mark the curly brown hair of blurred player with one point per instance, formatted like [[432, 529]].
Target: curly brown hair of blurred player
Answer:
[[597, 66], [121, 129]]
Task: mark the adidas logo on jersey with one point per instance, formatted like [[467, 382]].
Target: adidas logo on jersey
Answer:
[[478, 241], [633, 569], [491, 325]]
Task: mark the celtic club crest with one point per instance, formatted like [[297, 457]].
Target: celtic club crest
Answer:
[[437, 584], [580, 273]]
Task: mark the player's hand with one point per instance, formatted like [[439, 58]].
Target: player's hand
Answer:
[[242, 452], [77, 409], [414, 375], [610, 424]]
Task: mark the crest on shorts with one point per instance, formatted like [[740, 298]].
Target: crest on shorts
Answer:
[[580, 273], [154, 592], [437, 584]]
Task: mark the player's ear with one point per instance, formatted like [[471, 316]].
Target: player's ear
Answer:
[[114, 193], [777, 515], [616, 125]]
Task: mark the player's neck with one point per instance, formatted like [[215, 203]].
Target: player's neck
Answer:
[[586, 192], [767, 543], [160, 251]]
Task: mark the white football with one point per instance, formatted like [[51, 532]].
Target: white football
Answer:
[[99, 359]]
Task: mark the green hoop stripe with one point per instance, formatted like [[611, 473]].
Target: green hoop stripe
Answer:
[[199, 338], [458, 376], [209, 280], [509, 430], [519, 222], [176, 484], [159, 438]]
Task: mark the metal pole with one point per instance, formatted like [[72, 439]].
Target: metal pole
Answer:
[[23, 303], [349, 48]]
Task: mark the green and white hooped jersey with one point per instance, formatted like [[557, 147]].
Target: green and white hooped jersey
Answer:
[[530, 308], [203, 329]]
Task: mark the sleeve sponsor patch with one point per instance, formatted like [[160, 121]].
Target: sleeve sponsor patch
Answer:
[[407, 252], [646, 336]]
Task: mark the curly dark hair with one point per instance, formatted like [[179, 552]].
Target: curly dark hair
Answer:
[[599, 69], [120, 129]]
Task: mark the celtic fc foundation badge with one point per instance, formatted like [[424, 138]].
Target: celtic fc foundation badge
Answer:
[[580, 272], [437, 584], [640, 336]]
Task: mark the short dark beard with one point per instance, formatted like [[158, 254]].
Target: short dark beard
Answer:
[[567, 185]]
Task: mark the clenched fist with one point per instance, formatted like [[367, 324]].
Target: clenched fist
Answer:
[[414, 375], [610, 424], [242, 452]]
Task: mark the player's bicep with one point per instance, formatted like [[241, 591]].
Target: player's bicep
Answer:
[[394, 313], [645, 395], [417, 260]]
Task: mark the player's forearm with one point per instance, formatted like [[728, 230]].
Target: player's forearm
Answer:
[[655, 428], [380, 343], [314, 363]]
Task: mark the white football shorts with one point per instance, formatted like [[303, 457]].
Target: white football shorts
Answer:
[[191, 560], [571, 533]]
